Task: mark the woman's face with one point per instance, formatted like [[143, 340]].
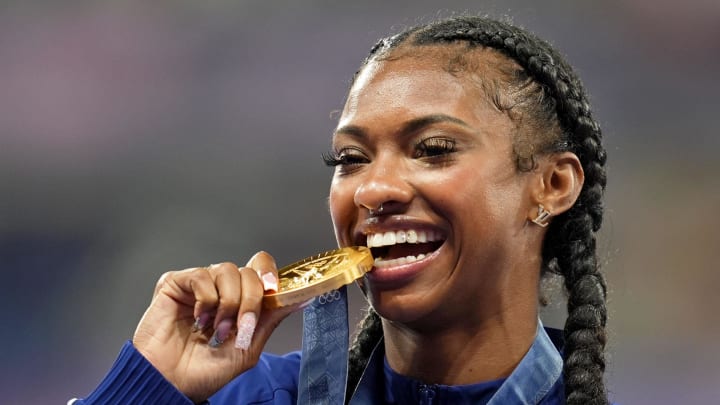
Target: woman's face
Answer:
[[438, 156]]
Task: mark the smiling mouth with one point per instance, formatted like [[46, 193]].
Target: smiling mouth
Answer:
[[396, 248]]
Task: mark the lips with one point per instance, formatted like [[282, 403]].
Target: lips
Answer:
[[400, 247]]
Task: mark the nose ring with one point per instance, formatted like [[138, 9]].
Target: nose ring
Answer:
[[373, 212]]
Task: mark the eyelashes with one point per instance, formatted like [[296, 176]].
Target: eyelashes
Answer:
[[435, 147], [344, 157], [331, 159], [431, 150]]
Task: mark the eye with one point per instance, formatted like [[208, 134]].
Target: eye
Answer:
[[345, 159], [434, 148]]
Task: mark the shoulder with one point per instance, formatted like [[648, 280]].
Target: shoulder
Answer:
[[556, 395], [273, 380]]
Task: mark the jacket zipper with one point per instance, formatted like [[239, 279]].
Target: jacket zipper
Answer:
[[427, 394]]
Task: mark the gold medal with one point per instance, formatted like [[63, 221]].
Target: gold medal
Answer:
[[319, 274]]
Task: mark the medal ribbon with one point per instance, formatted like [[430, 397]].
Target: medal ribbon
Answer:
[[323, 368]]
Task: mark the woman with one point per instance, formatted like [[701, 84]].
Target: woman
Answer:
[[467, 158]]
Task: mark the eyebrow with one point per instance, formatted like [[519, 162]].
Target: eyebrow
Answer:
[[410, 127]]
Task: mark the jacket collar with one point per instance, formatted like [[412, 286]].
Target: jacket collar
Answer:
[[532, 379]]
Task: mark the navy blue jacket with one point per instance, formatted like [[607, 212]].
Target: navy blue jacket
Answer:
[[132, 379]]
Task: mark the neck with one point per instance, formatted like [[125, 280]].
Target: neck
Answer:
[[486, 350]]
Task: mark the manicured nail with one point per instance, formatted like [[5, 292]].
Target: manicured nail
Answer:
[[221, 333], [201, 322], [246, 328], [270, 282]]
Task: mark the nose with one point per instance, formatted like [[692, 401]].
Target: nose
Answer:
[[384, 185]]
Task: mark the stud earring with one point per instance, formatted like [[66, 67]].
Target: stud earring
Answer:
[[542, 217]]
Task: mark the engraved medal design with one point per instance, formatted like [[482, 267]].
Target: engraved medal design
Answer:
[[319, 274]]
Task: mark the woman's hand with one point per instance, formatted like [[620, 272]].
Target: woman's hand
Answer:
[[205, 326]]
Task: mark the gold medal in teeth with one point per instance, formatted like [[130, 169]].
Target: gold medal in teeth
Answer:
[[316, 275]]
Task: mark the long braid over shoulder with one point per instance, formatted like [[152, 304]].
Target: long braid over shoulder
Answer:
[[369, 335], [545, 97]]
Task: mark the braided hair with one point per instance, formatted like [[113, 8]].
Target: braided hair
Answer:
[[545, 97]]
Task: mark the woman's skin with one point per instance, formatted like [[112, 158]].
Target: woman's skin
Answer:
[[438, 155], [167, 338], [435, 152]]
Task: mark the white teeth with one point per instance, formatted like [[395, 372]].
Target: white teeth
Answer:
[[380, 263], [377, 240], [422, 237], [412, 236], [409, 236], [388, 238]]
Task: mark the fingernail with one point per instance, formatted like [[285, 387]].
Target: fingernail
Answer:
[[201, 322], [246, 328], [270, 282], [221, 333]]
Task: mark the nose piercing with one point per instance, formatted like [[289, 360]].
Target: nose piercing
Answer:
[[375, 212]]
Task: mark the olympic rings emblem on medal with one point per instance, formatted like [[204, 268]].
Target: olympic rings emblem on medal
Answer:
[[329, 297], [319, 276]]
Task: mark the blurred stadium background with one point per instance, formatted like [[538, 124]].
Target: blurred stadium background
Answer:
[[138, 137]]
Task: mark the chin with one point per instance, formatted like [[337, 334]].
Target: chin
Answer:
[[396, 306]]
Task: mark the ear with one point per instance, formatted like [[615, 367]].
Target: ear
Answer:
[[557, 185]]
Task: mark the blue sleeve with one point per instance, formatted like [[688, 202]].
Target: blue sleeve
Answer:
[[274, 380], [133, 380]]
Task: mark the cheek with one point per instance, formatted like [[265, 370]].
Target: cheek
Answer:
[[475, 198], [337, 199], [459, 193], [341, 205]]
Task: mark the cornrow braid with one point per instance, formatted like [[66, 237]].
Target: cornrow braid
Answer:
[[569, 248], [370, 333]]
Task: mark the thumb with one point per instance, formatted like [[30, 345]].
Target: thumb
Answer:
[[264, 265]]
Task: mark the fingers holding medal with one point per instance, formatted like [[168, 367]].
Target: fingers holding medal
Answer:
[[318, 275], [188, 327]]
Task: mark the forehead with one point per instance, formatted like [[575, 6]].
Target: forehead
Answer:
[[414, 82]]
